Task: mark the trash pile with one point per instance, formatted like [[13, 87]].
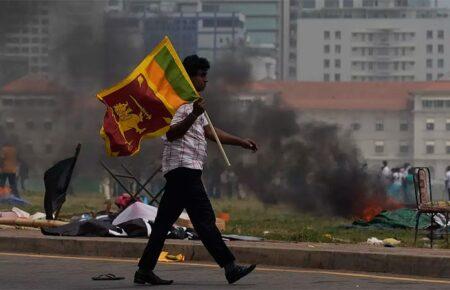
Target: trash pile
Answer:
[[135, 220]]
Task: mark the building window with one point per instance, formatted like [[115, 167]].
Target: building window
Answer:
[[309, 4], [429, 147], [447, 147], [292, 72], [368, 3], [427, 104], [326, 77], [355, 126], [404, 147], [337, 34], [440, 63], [379, 147], [396, 65], [337, 63], [429, 77], [429, 48], [337, 77], [429, 125], [440, 48], [326, 35], [292, 56], [326, 49], [337, 49], [331, 3], [429, 34], [326, 63], [379, 126], [429, 63], [404, 125], [440, 34], [348, 4]]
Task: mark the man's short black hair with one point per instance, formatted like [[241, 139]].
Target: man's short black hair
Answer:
[[194, 63]]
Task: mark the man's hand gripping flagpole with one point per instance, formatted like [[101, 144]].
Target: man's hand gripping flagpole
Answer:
[[198, 110]]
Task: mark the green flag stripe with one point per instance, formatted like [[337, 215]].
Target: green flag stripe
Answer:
[[174, 76]]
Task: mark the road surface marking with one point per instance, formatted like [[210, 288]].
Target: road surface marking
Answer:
[[267, 269]]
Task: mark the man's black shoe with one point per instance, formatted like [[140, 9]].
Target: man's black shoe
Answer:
[[150, 278], [237, 272]]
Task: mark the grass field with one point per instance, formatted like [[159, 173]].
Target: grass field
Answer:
[[251, 217]]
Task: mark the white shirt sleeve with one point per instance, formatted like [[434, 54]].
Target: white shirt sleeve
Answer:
[[181, 114]]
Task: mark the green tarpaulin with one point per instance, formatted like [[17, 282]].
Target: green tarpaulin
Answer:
[[402, 218]]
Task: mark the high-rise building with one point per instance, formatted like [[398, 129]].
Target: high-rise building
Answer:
[[25, 37], [264, 23], [367, 40], [205, 33], [34, 32]]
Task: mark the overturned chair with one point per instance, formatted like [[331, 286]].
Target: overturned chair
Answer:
[[425, 204], [142, 186]]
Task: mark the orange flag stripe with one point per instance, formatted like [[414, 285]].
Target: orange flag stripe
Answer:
[[164, 90]]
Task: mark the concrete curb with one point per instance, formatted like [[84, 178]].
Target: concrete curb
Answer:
[[429, 263]]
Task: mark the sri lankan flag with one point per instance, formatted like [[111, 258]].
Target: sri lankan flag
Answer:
[[143, 104]]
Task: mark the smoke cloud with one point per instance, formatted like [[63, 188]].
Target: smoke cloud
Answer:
[[315, 167]]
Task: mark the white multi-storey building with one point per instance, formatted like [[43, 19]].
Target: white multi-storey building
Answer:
[[393, 121], [366, 40], [373, 49]]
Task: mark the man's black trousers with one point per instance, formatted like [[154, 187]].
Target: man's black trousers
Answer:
[[185, 190]]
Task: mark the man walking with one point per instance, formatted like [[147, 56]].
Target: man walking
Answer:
[[182, 164]]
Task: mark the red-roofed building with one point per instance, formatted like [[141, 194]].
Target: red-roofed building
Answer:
[[34, 119], [398, 122]]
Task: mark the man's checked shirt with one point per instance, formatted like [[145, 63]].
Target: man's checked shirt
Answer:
[[190, 150]]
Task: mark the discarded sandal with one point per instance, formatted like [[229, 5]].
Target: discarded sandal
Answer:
[[103, 277]]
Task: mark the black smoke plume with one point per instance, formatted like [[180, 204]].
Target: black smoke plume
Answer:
[[314, 166]]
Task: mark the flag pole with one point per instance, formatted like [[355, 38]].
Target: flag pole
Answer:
[[217, 140]]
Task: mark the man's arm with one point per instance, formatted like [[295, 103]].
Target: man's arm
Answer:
[[229, 139], [178, 130]]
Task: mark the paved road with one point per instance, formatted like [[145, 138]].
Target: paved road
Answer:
[[22, 271]]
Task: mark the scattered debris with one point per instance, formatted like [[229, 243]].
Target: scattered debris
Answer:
[[166, 257], [391, 242], [374, 241]]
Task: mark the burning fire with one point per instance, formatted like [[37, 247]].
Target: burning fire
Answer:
[[374, 205]]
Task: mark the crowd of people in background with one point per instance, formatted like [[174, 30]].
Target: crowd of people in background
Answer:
[[399, 182]]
